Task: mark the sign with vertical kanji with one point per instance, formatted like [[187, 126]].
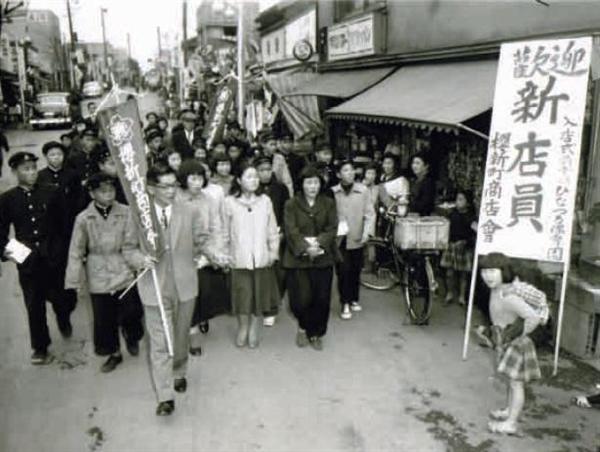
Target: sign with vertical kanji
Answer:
[[533, 156]]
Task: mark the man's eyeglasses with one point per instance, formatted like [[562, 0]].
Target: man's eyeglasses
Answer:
[[189, 119], [167, 186]]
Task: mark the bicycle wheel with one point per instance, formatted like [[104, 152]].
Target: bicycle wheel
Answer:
[[417, 290], [381, 268]]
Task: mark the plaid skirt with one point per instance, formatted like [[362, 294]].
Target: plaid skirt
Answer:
[[458, 257], [519, 361]]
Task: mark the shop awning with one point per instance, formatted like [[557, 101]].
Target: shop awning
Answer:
[[341, 84], [300, 112], [440, 96]]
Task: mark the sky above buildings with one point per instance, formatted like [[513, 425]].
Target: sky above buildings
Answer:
[[139, 18]]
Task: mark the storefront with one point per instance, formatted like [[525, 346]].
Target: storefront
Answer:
[[439, 99]]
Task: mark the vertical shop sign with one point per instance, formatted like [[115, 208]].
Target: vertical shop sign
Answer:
[[215, 125], [530, 182]]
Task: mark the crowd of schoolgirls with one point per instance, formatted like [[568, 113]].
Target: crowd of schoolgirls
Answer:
[[277, 222]]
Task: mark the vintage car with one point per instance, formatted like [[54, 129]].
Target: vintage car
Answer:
[[51, 109], [92, 89]]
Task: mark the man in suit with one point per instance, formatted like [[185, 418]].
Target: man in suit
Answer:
[[183, 138], [185, 233]]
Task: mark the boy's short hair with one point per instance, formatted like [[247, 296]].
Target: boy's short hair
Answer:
[[158, 170], [99, 178], [52, 145], [343, 163]]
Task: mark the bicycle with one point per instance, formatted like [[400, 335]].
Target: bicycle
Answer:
[[412, 269]]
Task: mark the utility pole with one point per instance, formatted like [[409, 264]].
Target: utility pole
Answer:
[[128, 45], [72, 46], [185, 58], [241, 69], [159, 44], [104, 44]]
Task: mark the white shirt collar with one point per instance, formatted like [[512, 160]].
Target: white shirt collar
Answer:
[[168, 209]]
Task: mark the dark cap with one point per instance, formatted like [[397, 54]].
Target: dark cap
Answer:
[[68, 135], [152, 134], [186, 110], [21, 157], [151, 113], [89, 132], [267, 135], [97, 179], [52, 145], [261, 158]]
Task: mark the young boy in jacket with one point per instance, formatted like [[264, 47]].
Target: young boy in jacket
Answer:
[[96, 243], [356, 223]]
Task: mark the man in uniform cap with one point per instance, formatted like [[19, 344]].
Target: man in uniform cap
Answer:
[[58, 177], [37, 215], [80, 159]]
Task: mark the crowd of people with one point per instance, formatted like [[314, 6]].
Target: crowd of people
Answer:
[[243, 222]]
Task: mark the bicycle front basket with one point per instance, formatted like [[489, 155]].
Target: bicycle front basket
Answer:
[[422, 233]]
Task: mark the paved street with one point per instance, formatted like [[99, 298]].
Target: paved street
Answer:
[[380, 384]]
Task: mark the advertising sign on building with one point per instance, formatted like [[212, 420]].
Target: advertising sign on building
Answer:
[[359, 37], [279, 44], [533, 156]]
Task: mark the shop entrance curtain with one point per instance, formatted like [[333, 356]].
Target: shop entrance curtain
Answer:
[[300, 112], [442, 94]]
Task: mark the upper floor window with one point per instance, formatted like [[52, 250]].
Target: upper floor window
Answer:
[[345, 8]]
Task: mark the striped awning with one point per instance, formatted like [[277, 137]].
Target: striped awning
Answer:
[[300, 112], [439, 96]]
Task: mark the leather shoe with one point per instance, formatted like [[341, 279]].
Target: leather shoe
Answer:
[[41, 358], [165, 408], [204, 327], [180, 384], [65, 328], [111, 363], [133, 348], [195, 350]]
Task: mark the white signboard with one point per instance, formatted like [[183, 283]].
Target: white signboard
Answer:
[[533, 156], [352, 39]]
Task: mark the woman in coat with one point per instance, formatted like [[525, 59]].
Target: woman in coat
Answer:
[[98, 237], [251, 240], [213, 289], [311, 223]]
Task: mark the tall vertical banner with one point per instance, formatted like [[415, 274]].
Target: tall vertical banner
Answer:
[[528, 198], [123, 134], [215, 126], [530, 183], [121, 127]]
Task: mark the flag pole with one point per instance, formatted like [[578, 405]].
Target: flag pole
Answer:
[[163, 315], [470, 306]]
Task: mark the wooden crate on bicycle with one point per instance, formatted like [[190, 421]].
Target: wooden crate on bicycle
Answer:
[[422, 233]]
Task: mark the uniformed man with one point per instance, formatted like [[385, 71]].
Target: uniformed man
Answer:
[[80, 159], [58, 177], [36, 213]]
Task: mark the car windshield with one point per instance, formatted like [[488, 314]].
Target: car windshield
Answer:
[[52, 99]]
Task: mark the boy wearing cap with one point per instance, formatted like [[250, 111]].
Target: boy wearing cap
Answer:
[[36, 213], [80, 159], [96, 244]]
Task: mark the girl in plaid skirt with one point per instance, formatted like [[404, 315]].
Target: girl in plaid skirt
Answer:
[[459, 255], [516, 309]]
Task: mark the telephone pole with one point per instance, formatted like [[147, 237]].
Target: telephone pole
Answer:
[[185, 56], [72, 46], [104, 44], [241, 69]]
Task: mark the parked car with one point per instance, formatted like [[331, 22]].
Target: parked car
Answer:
[[92, 89], [51, 109]]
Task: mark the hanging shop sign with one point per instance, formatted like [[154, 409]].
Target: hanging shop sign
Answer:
[[359, 37], [213, 132], [530, 182]]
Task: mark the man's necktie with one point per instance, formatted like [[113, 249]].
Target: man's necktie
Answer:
[[163, 218]]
